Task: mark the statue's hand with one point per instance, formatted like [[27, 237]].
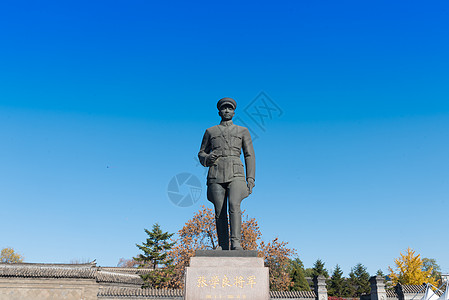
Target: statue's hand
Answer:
[[211, 158], [250, 185]]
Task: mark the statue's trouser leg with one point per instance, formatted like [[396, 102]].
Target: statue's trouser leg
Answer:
[[237, 190], [216, 193]]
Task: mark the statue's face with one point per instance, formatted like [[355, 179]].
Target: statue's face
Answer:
[[226, 112]]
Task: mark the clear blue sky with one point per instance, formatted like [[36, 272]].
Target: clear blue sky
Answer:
[[103, 102]]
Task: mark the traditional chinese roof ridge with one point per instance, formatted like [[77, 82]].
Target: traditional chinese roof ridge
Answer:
[[138, 292], [292, 294], [113, 277], [140, 271]]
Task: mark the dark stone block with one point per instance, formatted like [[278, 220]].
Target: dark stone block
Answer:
[[226, 253]]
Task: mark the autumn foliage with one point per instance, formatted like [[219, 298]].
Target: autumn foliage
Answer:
[[276, 256], [409, 270], [8, 255], [199, 233]]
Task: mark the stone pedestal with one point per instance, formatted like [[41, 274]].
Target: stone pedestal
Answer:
[[226, 275]]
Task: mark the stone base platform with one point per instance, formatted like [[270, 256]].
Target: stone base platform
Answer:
[[225, 274]]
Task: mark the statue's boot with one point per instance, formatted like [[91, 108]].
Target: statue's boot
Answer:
[[223, 233], [236, 230], [236, 246]]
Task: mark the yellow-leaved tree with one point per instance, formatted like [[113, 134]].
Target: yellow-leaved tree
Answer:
[[8, 255], [409, 270]]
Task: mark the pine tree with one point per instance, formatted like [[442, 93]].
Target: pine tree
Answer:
[[318, 269], [359, 281], [155, 256], [296, 270], [308, 272], [338, 286]]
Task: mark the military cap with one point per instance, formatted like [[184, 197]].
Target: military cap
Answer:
[[226, 100]]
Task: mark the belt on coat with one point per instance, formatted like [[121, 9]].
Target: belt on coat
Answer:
[[229, 153]]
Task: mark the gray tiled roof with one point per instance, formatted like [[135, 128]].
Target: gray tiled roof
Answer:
[[392, 294], [417, 289], [47, 270], [138, 292], [166, 293], [104, 276], [413, 289], [292, 294], [83, 271]]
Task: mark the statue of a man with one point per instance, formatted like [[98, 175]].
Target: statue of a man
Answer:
[[220, 151]]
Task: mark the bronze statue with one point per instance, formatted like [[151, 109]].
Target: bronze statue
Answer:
[[220, 151]]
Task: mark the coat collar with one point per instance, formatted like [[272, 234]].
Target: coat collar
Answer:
[[226, 123]]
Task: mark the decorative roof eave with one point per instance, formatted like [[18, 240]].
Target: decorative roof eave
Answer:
[[293, 294]]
